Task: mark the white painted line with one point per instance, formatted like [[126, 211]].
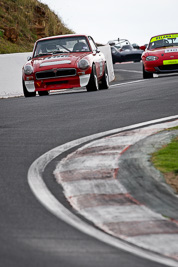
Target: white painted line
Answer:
[[136, 71], [147, 241], [164, 74], [46, 198], [123, 63], [155, 75], [120, 84], [113, 141]]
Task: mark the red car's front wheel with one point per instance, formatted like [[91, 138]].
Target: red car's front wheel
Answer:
[[147, 75], [93, 82], [25, 91]]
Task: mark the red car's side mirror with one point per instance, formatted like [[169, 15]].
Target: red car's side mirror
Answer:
[[143, 47]]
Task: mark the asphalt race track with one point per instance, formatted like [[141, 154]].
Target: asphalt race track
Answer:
[[29, 234]]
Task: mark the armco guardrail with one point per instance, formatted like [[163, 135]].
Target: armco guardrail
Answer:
[[11, 71]]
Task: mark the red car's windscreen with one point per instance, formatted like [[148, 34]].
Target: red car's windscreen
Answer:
[[159, 41], [61, 45]]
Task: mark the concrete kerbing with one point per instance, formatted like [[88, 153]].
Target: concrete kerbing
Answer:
[[135, 166], [46, 198], [139, 195]]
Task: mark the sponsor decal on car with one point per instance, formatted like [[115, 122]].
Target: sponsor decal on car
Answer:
[[161, 37], [170, 62], [171, 50]]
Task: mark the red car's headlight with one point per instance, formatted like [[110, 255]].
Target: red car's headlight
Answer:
[[151, 58], [83, 64], [28, 69]]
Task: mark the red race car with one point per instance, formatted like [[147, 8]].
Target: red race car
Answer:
[[62, 62], [161, 56]]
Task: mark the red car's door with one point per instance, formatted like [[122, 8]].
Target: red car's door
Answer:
[[98, 59]]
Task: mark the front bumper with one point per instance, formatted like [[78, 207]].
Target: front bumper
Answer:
[[159, 67], [167, 68], [57, 83]]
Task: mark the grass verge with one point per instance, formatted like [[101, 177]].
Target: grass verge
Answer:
[[166, 160]]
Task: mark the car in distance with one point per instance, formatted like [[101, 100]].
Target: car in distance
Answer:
[[161, 55], [63, 62], [123, 51]]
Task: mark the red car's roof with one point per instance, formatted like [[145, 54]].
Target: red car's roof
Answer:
[[167, 34], [61, 36]]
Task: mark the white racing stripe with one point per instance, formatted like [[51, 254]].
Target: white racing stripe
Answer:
[[42, 193]]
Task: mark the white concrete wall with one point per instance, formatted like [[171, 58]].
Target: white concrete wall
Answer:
[[106, 50], [11, 72]]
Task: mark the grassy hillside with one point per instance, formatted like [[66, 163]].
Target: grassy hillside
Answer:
[[22, 22]]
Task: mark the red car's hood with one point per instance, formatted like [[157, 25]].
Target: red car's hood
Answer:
[[56, 61], [163, 50]]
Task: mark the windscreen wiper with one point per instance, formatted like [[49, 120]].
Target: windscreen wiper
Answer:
[[60, 52], [43, 54]]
